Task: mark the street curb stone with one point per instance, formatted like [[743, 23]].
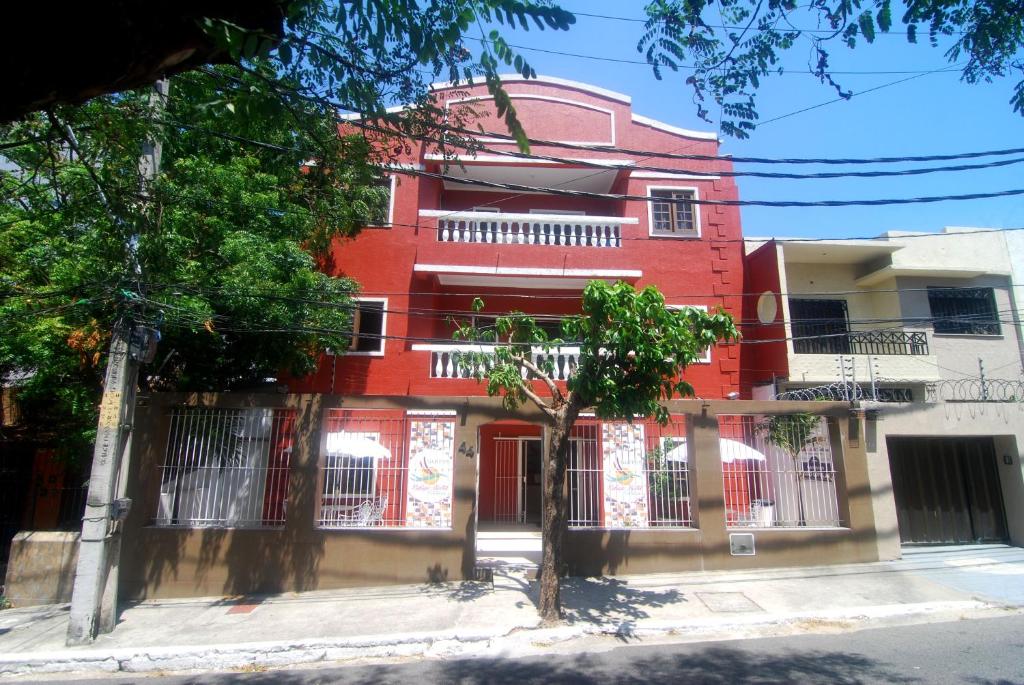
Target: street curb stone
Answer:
[[439, 644]]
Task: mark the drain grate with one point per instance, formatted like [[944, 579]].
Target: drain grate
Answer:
[[728, 602]]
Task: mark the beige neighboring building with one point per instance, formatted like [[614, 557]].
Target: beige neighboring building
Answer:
[[925, 334]]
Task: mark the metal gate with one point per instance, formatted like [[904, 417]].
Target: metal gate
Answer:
[[508, 480], [947, 490]]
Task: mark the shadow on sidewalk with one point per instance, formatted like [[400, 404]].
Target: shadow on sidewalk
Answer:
[[599, 599]]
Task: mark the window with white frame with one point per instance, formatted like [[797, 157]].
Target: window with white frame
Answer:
[[369, 320], [384, 214], [226, 468], [706, 357], [673, 212]]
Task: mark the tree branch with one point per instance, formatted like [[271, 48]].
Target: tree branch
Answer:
[[525, 387], [556, 394]]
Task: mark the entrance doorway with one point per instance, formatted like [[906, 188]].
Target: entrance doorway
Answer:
[[947, 490], [518, 478]]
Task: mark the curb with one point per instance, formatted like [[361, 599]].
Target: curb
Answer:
[[449, 643]]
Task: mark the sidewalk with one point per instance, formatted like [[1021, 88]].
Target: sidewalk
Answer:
[[478, 618]]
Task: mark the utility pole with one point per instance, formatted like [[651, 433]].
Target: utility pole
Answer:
[[94, 596]]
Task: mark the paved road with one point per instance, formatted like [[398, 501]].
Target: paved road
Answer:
[[978, 652]]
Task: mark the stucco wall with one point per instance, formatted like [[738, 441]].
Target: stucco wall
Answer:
[[41, 569], [180, 562]]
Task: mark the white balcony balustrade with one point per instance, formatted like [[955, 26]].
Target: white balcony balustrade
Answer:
[[566, 230], [448, 361]]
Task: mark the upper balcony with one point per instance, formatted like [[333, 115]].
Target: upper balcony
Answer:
[[533, 228]]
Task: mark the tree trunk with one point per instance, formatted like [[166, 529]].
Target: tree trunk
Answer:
[[553, 523]]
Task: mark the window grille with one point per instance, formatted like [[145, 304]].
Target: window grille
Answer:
[[226, 467], [778, 472], [819, 326], [965, 311], [629, 476], [383, 469], [669, 215]]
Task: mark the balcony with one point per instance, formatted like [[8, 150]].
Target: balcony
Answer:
[[444, 359], [862, 355], [865, 342], [561, 230]]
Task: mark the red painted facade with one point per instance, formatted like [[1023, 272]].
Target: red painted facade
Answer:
[[704, 270]]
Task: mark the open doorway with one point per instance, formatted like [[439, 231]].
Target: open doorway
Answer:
[[511, 476]]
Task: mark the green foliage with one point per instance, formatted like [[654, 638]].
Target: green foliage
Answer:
[[228, 239], [790, 432], [364, 55], [662, 482], [633, 349], [735, 44]]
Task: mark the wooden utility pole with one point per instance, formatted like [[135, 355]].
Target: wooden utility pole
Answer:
[[94, 596]]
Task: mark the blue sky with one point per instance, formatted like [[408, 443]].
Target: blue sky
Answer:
[[932, 114]]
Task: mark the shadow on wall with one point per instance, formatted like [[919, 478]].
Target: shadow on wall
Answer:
[[251, 561]]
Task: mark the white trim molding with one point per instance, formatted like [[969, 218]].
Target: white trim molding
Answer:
[[525, 271], [669, 128], [671, 176], [524, 216], [650, 213], [546, 80], [506, 159], [383, 328]]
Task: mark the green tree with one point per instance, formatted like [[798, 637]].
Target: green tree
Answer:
[[633, 350], [791, 433], [219, 252], [734, 45]]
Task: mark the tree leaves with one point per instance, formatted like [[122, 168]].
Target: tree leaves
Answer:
[[633, 349], [729, 56]]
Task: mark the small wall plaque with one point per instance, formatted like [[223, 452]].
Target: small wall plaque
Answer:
[[741, 544]]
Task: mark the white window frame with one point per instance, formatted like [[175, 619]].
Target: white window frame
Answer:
[[696, 213], [391, 204], [706, 359], [383, 327]]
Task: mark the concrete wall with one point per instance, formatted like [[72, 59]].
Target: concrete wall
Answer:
[[41, 569], [957, 355], [611, 552], [176, 562]]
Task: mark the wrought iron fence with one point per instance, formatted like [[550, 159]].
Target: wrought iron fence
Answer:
[[778, 471], [226, 467], [384, 469], [629, 476], [863, 342]]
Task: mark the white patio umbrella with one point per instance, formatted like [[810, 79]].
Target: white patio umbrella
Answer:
[[348, 445], [730, 449]]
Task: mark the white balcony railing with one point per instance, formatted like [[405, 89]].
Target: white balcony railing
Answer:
[[445, 359], [567, 230]]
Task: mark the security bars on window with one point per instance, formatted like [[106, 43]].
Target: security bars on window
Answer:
[[365, 475], [226, 468], [778, 471], [647, 475]]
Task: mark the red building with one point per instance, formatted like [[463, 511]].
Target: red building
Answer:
[[447, 240]]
